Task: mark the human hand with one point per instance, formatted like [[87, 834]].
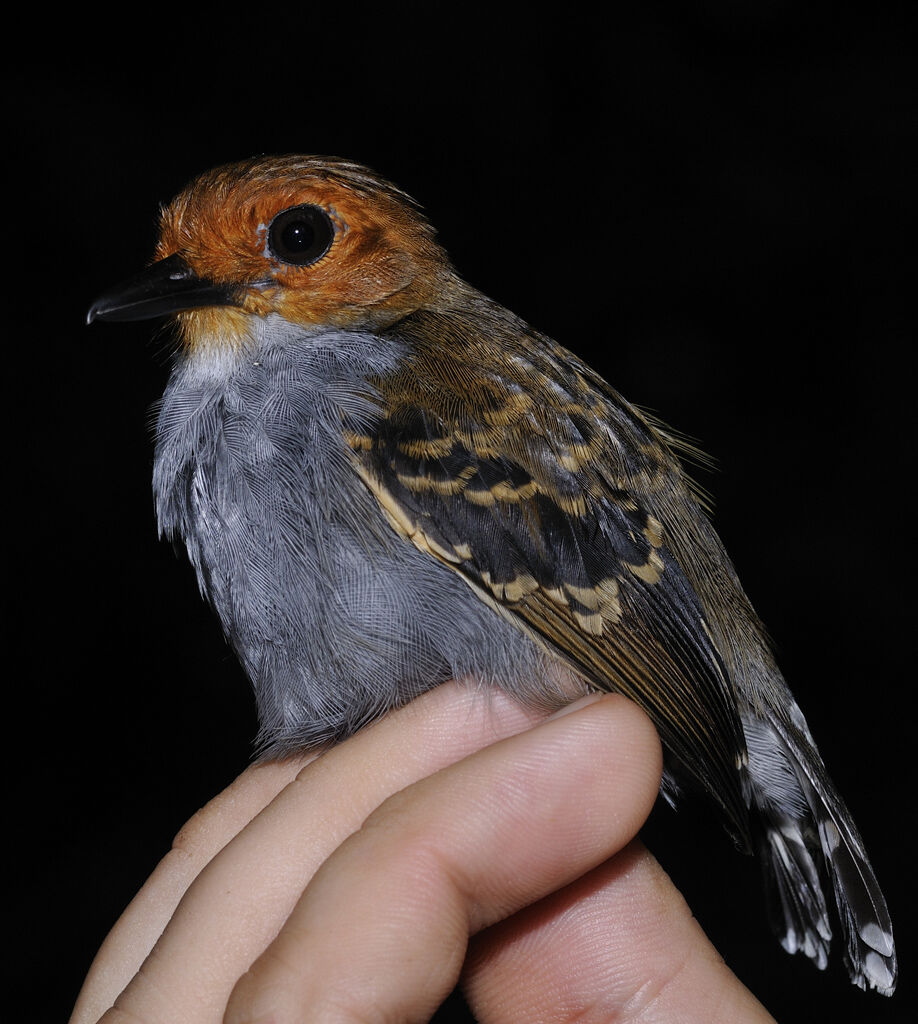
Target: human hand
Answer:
[[345, 887]]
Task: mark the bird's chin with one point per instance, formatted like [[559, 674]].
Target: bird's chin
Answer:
[[215, 331]]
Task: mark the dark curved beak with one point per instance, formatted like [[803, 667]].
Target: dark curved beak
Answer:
[[168, 286]]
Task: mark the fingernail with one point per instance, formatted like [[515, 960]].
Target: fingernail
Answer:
[[582, 702]]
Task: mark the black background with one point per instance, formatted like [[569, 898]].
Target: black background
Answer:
[[714, 203]]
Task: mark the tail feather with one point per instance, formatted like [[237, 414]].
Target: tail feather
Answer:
[[870, 953], [796, 906], [809, 835]]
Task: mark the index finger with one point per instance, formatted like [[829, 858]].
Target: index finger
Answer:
[[220, 896]]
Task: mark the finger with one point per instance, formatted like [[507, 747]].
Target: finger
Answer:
[[618, 943], [133, 935], [240, 899], [382, 931]]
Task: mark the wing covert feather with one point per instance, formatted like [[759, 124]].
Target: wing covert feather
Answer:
[[534, 498]]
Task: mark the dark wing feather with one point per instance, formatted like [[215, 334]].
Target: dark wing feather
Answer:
[[527, 482]]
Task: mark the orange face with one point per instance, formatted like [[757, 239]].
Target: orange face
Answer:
[[374, 259]]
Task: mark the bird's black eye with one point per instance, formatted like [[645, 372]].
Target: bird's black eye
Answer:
[[300, 235]]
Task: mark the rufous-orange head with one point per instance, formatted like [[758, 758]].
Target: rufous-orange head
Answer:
[[318, 240]]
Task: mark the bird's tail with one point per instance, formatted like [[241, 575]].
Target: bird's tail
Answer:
[[809, 836]]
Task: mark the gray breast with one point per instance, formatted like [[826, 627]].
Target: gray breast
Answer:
[[335, 617]]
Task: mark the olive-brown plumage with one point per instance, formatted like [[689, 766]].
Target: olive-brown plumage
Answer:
[[385, 479]]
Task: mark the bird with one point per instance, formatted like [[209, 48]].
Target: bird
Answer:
[[385, 479]]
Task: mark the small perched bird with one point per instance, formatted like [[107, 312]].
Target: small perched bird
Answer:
[[385, 480]]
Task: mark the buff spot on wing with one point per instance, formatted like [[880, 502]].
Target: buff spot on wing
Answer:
[[653, 531], [437, 485], [514, 406], [511, 591], [426, 448], [592, 623], [586, 596], [479, 497], [403, 525], [358, 442], [572, 504], [505, 491], [650, 571], [592, 607], [609, 601]]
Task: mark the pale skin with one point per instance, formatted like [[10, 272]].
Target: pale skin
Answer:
[[459, 839]]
